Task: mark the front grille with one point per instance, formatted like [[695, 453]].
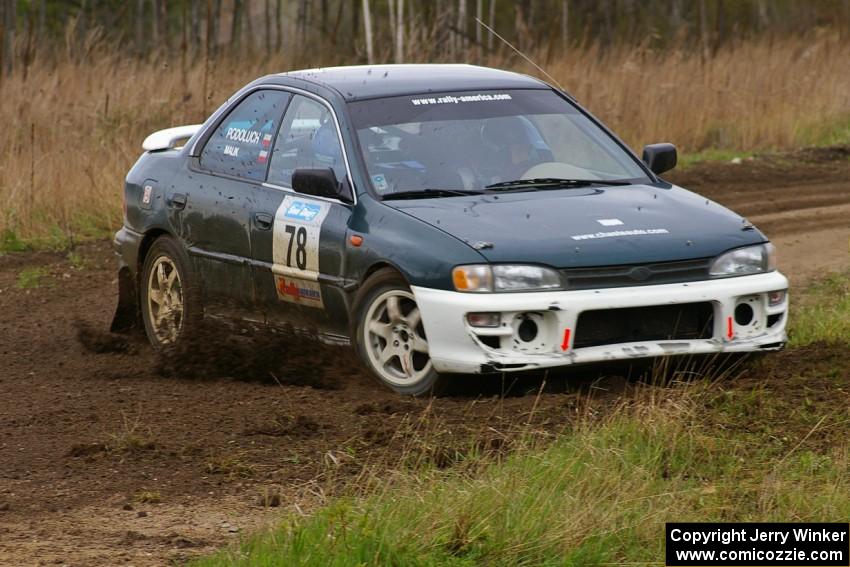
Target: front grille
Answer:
[[686, 321], [637, 274]]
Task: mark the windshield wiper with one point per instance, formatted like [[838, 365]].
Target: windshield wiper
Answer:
[[429, 193], [552, 183]]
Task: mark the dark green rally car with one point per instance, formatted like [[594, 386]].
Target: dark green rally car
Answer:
[[446, 219]]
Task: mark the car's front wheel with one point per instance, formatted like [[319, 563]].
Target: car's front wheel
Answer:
[[170, 305], [390, 337]]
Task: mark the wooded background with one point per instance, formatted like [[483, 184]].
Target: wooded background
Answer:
[[390, 30]]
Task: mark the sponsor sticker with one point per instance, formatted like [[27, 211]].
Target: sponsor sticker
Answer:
[[243, 135], [302, 211], [267, 140], [299, 291], [263, 157], [609, 222], [616, 233], [450, 99], [380, 183]]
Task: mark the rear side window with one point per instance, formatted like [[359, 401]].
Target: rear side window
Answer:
[[241, 145], [308, 139]]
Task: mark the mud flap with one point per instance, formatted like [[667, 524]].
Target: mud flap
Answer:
[[127, 315]]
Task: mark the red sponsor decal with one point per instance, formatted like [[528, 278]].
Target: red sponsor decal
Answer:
[[289, 289], [293, 290], [264, 155], [730, 330], [267, 140]]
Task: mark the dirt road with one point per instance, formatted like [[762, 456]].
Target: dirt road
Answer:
[[110, 455]]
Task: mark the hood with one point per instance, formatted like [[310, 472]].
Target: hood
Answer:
[[588, 227]]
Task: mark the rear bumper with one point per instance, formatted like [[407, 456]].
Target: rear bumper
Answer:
[[126, 243], [127, 315], [455, 346]]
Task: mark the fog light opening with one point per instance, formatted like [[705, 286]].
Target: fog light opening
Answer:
[[775, 298], [744, 314], [527, 330], [484, 319]]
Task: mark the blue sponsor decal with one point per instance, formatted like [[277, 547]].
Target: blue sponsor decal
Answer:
[[302, 211]]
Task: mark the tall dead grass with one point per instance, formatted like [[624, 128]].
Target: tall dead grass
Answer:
[[72, 129]]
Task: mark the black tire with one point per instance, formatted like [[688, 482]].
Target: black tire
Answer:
[[371, 301], [168, 252]]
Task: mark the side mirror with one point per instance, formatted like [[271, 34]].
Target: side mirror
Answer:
[[318, 182], [660, 157]]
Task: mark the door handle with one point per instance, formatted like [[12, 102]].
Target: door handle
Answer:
[[178, 201], [263, 221]]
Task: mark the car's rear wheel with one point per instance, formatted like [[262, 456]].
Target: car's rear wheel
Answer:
[[390, 337], [170, 304]]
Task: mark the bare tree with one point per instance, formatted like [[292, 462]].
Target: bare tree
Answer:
[[140, 26], [278, 22], [479, 15], [10, 28], [195, 18], [236, 25], [491, 23], [367, 28], [267, 18], [565, 16], [399, 33], [461, 24]]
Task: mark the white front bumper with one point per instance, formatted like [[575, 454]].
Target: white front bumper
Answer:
[[455, 346]]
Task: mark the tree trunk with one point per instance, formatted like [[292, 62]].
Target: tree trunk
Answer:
[[479, 17], [367, 29], [399, 29], [216, 28], [155, 22], [492, 24], [195, 17], [236, 26], [461, 24], [267, 19], [10, 28], [391, 18], [42, 19], [703, 29], [140, 26], [565, 18], [278, 22]]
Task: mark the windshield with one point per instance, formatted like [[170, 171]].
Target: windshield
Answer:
[[470, 140]]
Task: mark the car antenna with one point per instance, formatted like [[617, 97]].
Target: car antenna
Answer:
[[521, 54]]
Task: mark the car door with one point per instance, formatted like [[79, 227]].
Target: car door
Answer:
[[298, 260], [214, 204]]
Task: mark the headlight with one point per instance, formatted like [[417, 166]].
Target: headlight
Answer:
[[482, 278], [744, 261]]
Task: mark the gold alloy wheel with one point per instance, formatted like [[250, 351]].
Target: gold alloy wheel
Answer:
[[165, 300]]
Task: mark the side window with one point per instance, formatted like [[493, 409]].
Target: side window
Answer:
[[308, 139], [240, 146]]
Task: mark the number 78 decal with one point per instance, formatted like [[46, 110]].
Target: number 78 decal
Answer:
[[299, 236], [297, 231]]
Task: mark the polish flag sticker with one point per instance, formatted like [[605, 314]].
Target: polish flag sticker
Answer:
[[267, 140], [264, 155]]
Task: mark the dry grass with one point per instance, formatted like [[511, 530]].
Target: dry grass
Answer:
[[74, 128]]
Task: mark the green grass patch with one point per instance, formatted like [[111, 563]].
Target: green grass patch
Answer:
[[822, 313], [31, 278], [596, 496]]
